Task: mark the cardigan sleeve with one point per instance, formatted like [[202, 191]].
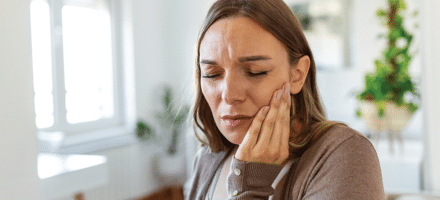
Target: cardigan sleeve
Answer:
[[247, 180], [351, 171]]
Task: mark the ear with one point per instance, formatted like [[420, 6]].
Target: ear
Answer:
[[298, 74]]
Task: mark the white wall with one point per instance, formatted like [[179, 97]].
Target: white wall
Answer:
[[18, 139], [165, 33], [148, 25], [431, 42], [164, 37]]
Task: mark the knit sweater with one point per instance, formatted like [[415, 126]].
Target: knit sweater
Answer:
[[342, 164]]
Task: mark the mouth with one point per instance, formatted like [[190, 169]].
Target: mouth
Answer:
[[234, 121]]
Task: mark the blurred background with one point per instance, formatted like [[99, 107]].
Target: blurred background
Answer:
[[88, 88]]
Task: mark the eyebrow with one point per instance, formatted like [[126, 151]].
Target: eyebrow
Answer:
[[241, 59], [253, 58]]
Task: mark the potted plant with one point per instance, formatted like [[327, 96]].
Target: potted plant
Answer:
[[171, 118], [144, 131], [390, 97]]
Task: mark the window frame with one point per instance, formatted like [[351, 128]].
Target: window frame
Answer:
[[91, 136]]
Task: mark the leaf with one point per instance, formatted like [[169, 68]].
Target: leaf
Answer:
[[412, 107], [167, 96], [394, 34], [381, 13], [181, 115], [393, 2], [381, 105], [402, 5], [144, 131], [415, 13], [358, 112], [399, 21]]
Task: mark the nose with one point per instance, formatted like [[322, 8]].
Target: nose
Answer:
[[234, 90]]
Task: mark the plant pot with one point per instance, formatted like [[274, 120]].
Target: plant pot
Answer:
[[395, 118], [171, 168], [393, 122]]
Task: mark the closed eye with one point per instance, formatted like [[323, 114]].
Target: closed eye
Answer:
[[249, 73], [257, 74], [210, 76]]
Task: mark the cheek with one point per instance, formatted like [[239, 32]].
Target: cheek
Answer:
[[263, 94], [209, 92], [267, 97]]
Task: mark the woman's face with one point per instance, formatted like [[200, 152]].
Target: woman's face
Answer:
[[241, 65]]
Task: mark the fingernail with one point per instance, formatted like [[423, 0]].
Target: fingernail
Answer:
[[287, 88], [279, 94], [265, 110]]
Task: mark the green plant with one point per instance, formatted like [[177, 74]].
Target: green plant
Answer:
[[391, 81], [144, 131], [170, 118]]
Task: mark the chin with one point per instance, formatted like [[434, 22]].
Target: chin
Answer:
[[236, 142], [235, 138], [234, 135]]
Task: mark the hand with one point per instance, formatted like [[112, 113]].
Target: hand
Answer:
[[267, 140]]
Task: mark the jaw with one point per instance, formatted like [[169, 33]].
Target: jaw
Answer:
[[235, 135]]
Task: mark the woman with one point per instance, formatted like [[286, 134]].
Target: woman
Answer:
[[264, 131]]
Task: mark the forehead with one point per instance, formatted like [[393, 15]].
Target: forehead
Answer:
[[239, 36]]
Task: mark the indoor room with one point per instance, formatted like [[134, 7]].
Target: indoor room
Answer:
[[97, 96]]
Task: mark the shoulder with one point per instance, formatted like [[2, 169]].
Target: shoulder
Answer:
[[340, 136], [202, 154], [340, 133], [344, 144], [336, 142], [202, 150], [342, 163], [199, 154], [340, 143]]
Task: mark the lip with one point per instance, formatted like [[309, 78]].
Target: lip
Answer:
[[233, 117], [236, 120]]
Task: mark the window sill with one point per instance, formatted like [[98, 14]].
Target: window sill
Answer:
[[62, 175], [88, 142]]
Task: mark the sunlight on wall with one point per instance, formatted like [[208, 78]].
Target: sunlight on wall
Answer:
[[87, 64], [42, 63]]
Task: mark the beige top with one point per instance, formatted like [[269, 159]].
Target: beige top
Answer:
[[219, 186], [342, 164]]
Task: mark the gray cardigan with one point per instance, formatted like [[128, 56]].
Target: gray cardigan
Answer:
[[342, 164]]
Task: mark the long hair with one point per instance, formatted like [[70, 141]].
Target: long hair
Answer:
[[277, 18]]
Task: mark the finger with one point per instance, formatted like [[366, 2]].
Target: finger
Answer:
[[254, 130], [284, 143], [278, 147], [269, 122], [280, 129]]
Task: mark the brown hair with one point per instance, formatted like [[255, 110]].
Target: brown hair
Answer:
[[276, 17]]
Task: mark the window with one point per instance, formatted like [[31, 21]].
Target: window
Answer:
[[326, 26], [77, 75]]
